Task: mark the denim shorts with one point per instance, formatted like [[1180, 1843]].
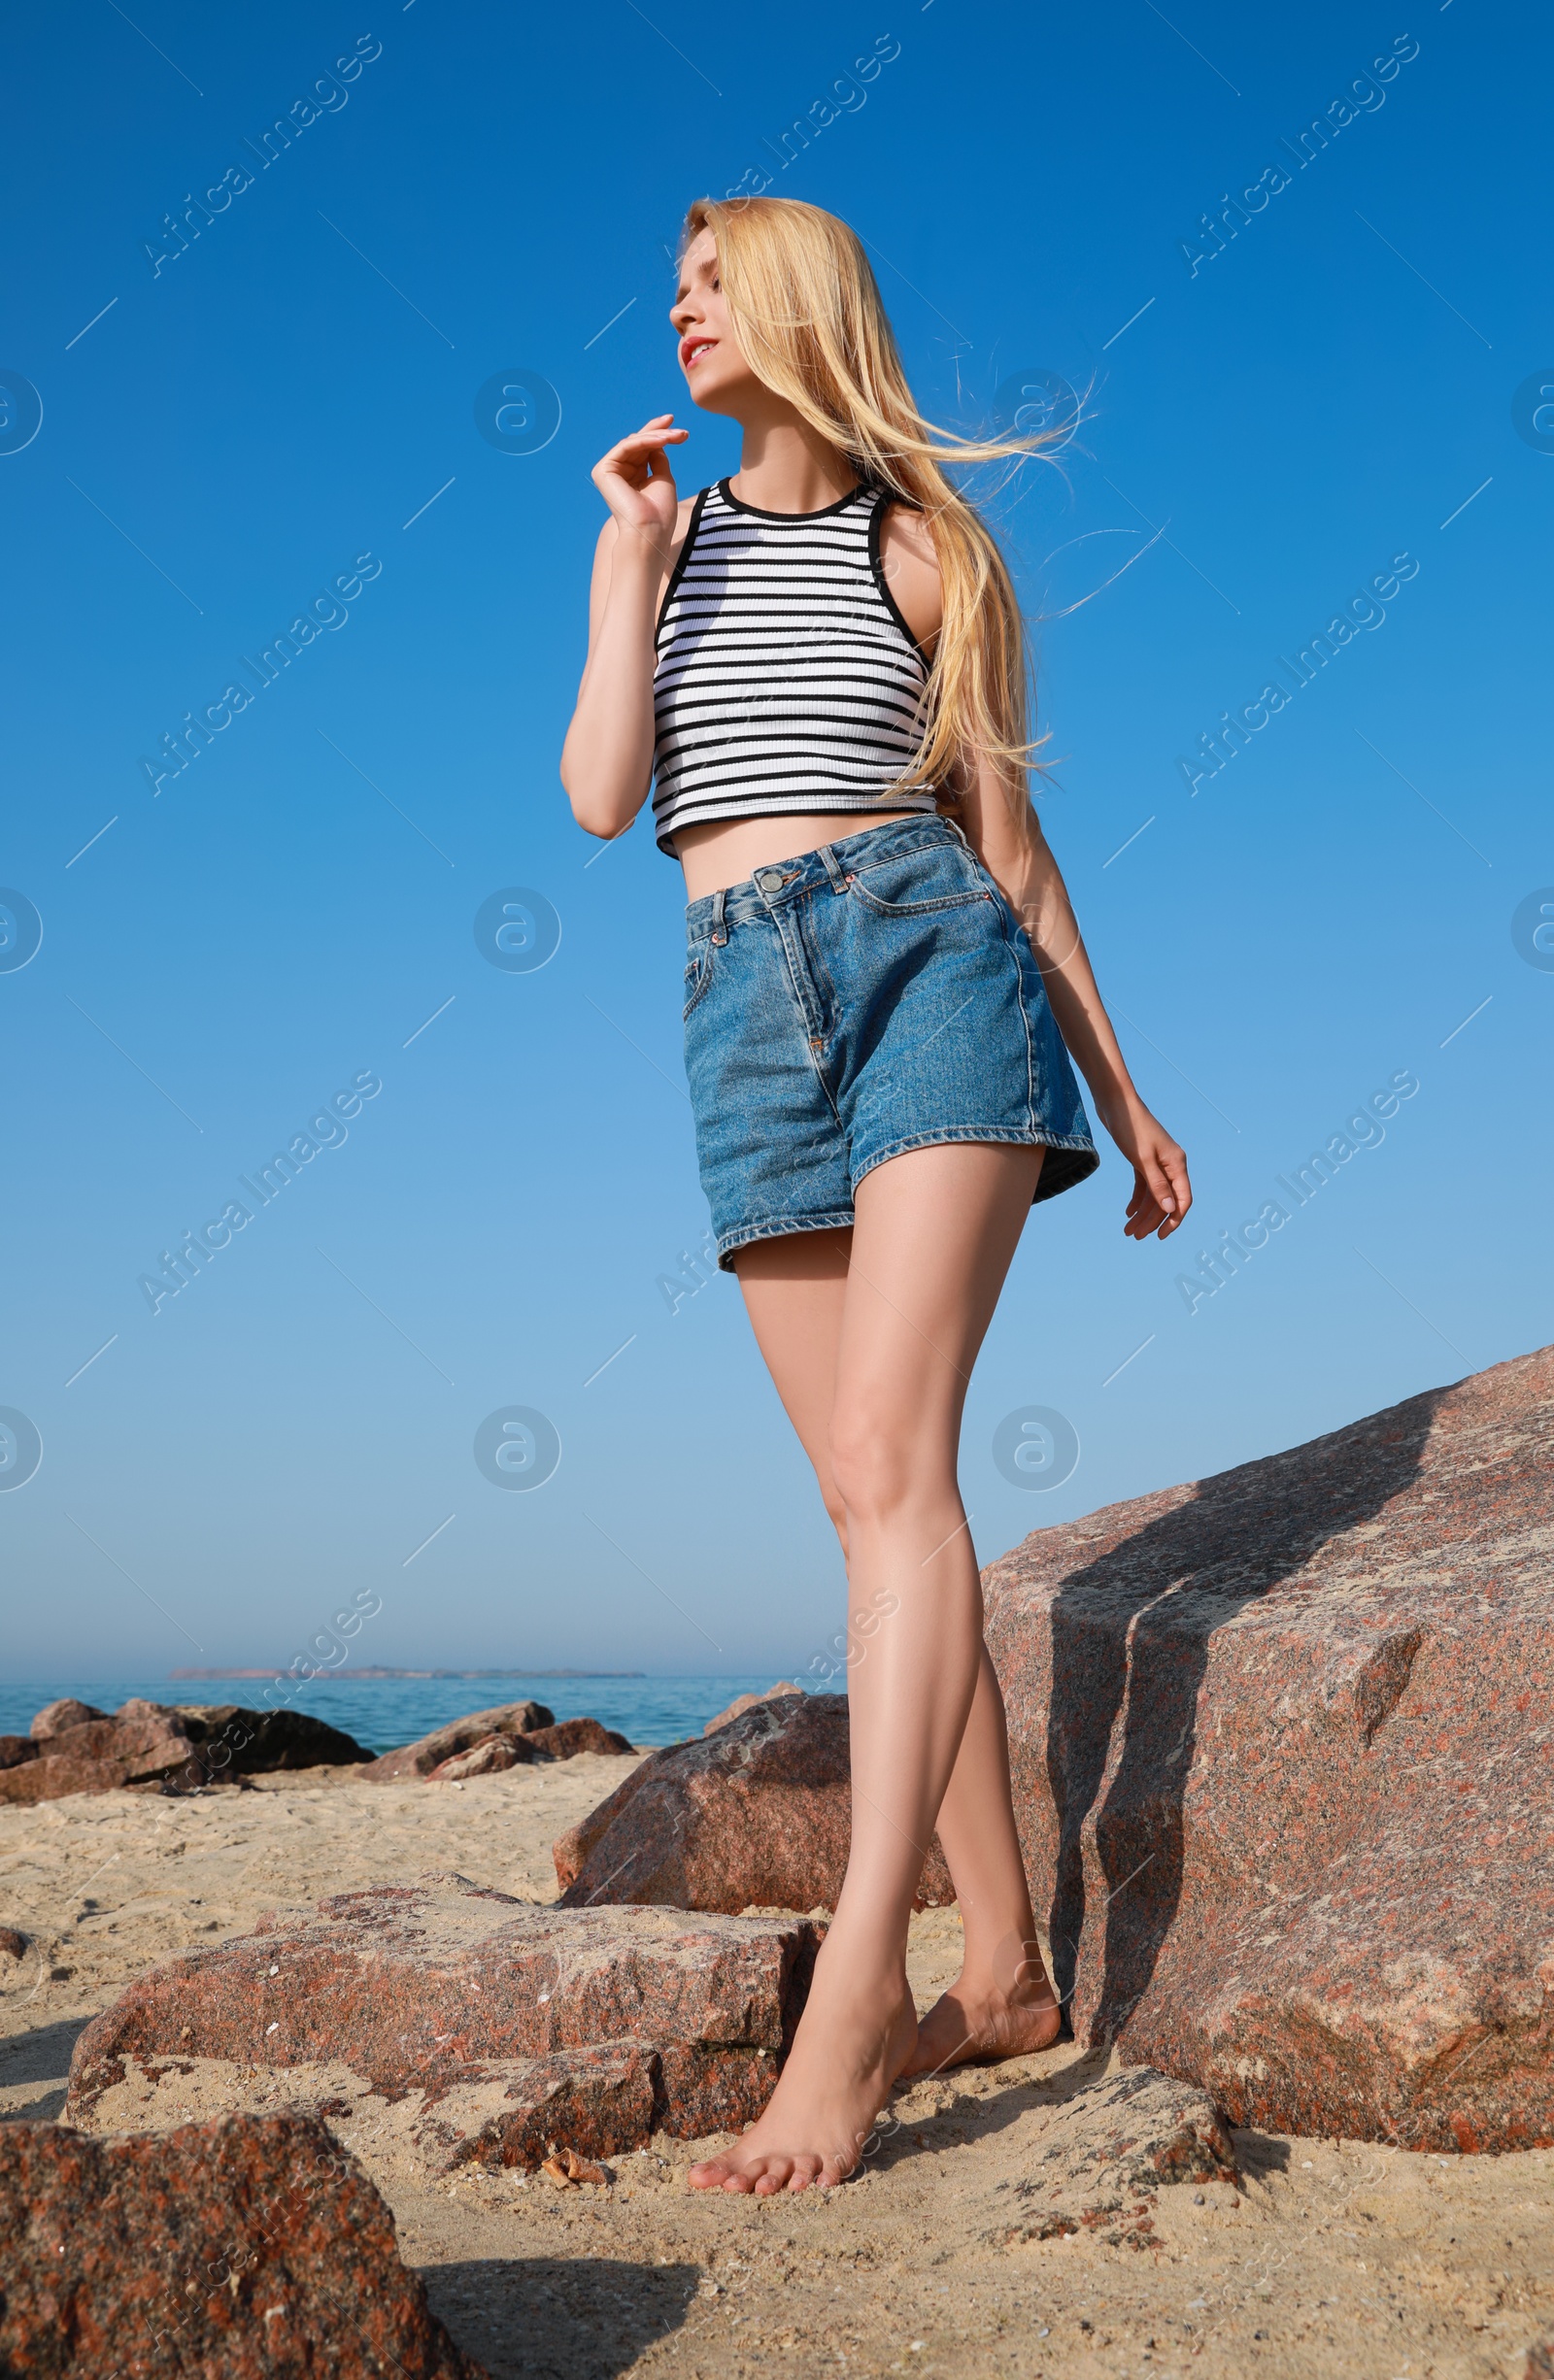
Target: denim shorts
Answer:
[[868, 998]]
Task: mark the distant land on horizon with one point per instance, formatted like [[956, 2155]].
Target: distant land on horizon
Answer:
[[376, 1671]]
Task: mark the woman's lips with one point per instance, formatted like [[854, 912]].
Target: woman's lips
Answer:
[[693, 349]]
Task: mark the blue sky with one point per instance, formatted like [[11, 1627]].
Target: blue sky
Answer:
[[284, 408]]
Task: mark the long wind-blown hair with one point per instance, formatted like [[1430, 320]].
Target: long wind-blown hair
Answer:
[[813, 329]]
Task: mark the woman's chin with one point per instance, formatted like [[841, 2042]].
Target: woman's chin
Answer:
[[712, 395]]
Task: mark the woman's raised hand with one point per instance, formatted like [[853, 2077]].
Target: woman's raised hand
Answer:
[[637, 482]]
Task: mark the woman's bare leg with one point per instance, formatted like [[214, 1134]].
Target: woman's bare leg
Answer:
[[796, 1292], [934, 1233], [1001, 2004]]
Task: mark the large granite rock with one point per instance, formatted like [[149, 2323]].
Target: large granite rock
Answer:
[[429, 1752], [517, 2027], [1281, 1747], [1108, 2153], [747, 1703], [76, 1749], [756, 1815], [252, 2248]]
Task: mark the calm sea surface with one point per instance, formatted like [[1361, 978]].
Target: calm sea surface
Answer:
[[381, 1712]]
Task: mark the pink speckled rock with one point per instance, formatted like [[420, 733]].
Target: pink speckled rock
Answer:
[[75, 1749], [435, 1984], [562, 1741], [253, 2248], [429, 1752], [141, 1744], [600, 2101], [55, 1717], [1282, 1755], [742, 1703], [1107, 2154], [756, 1815], [570, 1736], [486, 1759]]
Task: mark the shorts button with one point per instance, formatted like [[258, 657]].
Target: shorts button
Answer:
[[771, 880]]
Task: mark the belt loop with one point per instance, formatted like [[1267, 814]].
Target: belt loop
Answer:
[[957, 831], [832, 867], [720, 931]]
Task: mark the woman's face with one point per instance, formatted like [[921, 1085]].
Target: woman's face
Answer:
[[716, 372]]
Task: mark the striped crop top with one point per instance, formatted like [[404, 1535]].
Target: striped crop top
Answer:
[[786, 679]]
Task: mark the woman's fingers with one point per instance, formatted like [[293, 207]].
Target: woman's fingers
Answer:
[[638, 466], [1175, 1163], [648, 438], [1161, 1190], [1145, 1211], [651, 439]]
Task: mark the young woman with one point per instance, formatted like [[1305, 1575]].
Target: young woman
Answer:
[[821, 661]]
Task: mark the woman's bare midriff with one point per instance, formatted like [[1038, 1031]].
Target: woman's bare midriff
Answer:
[[725, 851]]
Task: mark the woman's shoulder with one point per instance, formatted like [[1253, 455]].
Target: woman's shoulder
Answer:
[[910, 566], [904, 531]]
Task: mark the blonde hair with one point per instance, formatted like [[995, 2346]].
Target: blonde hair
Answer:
[[813, 329]]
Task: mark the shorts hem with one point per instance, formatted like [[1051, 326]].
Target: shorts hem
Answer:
[[745, 1235], [1000, 1136]]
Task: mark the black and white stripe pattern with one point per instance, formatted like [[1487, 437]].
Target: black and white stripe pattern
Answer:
[[786, 679]]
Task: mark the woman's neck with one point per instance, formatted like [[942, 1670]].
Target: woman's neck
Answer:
[[786, 467]]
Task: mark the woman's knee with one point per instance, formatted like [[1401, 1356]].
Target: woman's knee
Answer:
[[881, 1465]]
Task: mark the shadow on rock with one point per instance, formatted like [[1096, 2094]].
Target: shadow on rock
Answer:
[[560, 2318], [1124, 1633]]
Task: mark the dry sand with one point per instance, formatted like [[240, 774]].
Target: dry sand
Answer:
[[1338, 2258]]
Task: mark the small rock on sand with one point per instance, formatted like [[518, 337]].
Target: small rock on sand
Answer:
[[428, 1752], [1106, 2155]]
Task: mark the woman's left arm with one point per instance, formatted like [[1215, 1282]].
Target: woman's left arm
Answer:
[[1012, 847]]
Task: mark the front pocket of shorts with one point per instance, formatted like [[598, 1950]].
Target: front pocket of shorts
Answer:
[[940, 876], [698, 974]]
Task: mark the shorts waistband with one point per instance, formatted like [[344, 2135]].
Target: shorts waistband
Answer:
[[786, 880]]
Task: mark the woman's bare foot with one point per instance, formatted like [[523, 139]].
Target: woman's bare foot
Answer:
[[978, 2021], [847, 2055]]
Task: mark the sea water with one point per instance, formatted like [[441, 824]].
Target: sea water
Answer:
[[383, 1712]]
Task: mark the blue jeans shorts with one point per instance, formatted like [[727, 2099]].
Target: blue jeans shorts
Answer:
[[873, 996]]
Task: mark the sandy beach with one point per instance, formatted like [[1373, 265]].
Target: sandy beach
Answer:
[[1339, 2258]]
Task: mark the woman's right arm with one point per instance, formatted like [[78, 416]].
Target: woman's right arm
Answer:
[[607, 758]]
